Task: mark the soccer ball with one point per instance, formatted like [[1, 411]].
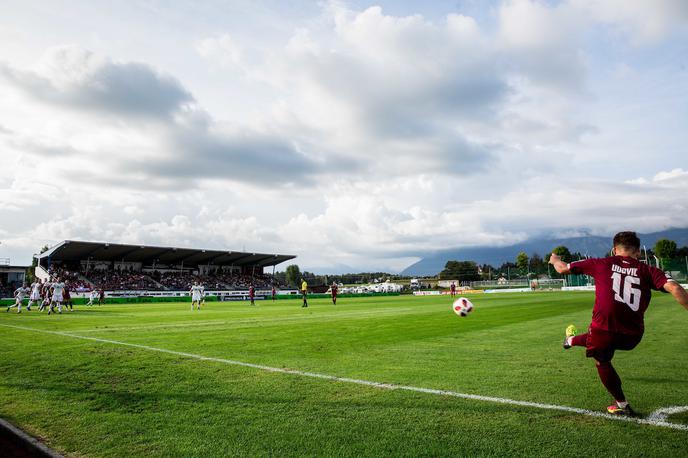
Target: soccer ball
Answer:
[[462, 306]]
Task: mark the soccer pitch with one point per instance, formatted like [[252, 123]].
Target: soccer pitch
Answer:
[[161, 380]]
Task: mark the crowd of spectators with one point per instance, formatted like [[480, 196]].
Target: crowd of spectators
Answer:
[[182, 281], [72, 279], [8, 290], [128, 279], [112, 280]]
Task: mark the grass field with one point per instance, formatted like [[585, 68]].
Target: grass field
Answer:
[[103, 398]]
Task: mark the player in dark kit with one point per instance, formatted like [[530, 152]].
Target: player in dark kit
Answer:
[[68, 299], [252, 294], [334, 289], [274, 293], [452, 290], [623, 287]]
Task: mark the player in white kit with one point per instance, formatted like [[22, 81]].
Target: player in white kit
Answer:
[[196, 291], [57, 298], [92, 297], [35, 297], [19, 295]]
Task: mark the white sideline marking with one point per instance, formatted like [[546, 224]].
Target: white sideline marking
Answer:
[[661, 422], [663, 413]]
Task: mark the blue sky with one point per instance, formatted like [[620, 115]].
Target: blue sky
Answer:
[[357, 135]]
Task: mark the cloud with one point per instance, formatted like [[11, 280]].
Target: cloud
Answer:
[[242, 156], [183, 147], [222, 49], [74, 78], [643, 22]]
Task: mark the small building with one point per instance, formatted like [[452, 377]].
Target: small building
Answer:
[[11, 277]]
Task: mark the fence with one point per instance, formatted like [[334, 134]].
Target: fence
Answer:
[[677, 267], [540, 283]]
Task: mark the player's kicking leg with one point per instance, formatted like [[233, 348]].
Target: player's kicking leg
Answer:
[[601, 346], [16, 305]]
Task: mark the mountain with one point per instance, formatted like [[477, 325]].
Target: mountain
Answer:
[[434, 262]]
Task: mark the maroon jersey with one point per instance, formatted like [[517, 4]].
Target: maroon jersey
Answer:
[[251, 292], [623, 287], [453, 288], [334, 290]]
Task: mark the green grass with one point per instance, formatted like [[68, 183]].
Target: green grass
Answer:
[[87, 398]]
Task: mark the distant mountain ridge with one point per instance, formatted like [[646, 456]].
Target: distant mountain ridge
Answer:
[[496, 256]]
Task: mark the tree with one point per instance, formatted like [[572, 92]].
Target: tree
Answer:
[[665, 249], [537, 265], [293, 275], [31, 271], [507, 269], [563, 252], [522, 262], [460, 270], [487, 272]]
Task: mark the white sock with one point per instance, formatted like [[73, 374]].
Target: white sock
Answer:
[[621, 404], [569, 341]]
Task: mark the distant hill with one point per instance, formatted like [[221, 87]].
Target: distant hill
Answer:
[[433, 263]]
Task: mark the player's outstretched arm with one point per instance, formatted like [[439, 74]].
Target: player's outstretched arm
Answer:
[[678, 292], [559, 265]]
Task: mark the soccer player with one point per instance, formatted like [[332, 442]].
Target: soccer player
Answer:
[[304, 292], [35, 294], [93, 295], [195, 293], [202, 293], [101, 296], [452, 290], [622, 294], [57, 297], [45, 293], [252, 294], [274, 293], [333, 289], [68, 298], [19, 295]]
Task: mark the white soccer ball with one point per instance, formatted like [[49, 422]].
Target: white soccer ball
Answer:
[[462, 306]]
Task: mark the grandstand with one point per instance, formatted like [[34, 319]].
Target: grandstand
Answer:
[[137, 268]]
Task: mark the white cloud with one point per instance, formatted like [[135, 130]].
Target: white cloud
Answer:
[[76, 78], [643, 22], [221, 49]]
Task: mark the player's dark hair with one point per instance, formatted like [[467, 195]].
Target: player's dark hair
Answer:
[[627, 239]]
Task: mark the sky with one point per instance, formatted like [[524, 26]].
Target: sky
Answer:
[[356, 135]]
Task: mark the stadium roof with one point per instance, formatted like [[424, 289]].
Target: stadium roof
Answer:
[[70, 250]]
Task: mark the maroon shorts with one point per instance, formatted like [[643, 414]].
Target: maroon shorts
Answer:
[[601, 345]]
